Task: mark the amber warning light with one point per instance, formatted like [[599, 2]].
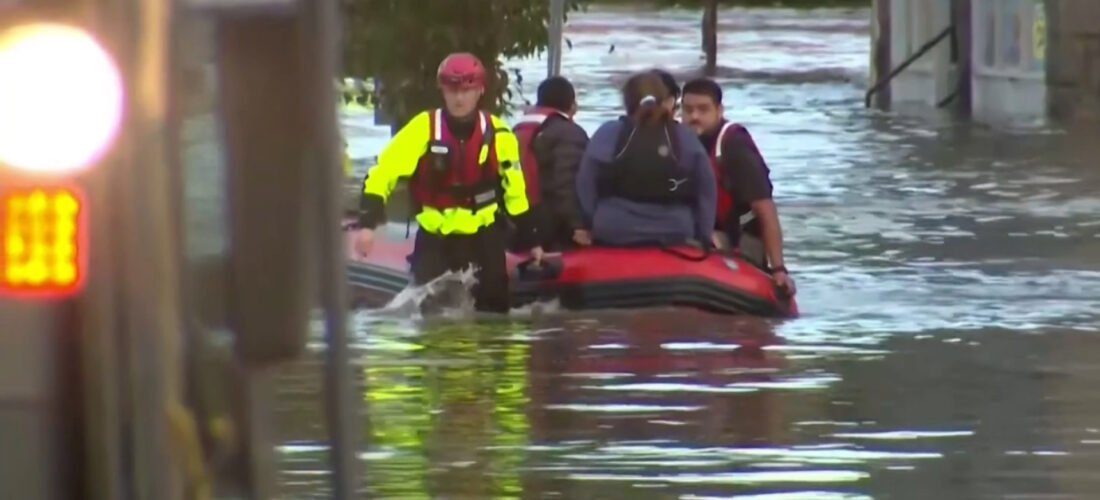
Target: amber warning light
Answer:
[[44, 235]]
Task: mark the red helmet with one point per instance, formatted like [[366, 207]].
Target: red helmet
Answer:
[[461, 70]]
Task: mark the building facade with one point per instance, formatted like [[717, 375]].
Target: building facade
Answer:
[[996, 59]]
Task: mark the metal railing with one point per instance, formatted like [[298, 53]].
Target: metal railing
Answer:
[[947, 32]]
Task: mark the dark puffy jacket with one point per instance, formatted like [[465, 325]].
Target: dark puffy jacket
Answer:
[[559, 147]]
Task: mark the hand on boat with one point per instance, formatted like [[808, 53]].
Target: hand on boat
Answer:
[[719, 240], [364, 242], [582, 237], [784, 281]]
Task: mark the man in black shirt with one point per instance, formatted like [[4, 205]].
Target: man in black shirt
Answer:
[[747, 216]]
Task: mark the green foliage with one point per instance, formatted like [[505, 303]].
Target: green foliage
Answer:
[[401, 42], [792, 4]]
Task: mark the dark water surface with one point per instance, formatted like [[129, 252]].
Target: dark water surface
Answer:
[[950, 280]]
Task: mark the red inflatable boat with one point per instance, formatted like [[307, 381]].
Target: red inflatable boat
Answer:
[[606, 278]]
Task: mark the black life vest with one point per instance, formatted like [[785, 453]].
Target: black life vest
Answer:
[[646, 166]]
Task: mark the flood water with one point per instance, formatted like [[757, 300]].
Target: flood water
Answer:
[[949, 277]]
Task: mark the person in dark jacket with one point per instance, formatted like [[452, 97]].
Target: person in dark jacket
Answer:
[[645, 179], [552, 145], [747, 219]]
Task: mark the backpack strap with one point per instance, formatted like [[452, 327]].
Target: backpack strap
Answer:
[[543, 121], [488, 130], [488, 139], [719, 147], [673, 137], [629, 127], [437, 124], [539, 117], [626, 132], [719, 144], [542, 126], [491, 130]]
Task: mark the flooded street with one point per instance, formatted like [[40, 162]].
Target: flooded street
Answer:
[[949, 280]]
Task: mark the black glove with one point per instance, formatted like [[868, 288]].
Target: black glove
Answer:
[[526, 234]]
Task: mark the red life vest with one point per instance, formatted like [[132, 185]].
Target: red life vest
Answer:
[[449, 174], [725, 194], [526, 128], [726, 203]]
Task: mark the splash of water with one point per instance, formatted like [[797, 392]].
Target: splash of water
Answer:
[[450, 292], [538, 309], [450, 295]]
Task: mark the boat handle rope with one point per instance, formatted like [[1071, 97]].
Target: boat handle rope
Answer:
[[706, 253]]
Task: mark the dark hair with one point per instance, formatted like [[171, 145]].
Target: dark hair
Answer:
[[556, 92], [704, 86], [669, 81], [646, 87]]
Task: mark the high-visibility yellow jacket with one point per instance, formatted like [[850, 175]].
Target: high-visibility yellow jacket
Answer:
[[403, 156]]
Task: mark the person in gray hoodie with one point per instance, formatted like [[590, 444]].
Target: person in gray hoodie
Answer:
[[645, 179]]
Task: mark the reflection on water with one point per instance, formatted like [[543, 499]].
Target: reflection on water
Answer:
[[948, 277], [660, 405]]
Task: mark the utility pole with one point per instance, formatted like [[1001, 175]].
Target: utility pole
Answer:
[[554, 31], [710, 36], [881, 63]]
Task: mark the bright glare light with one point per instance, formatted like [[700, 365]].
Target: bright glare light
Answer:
[[60, 98]]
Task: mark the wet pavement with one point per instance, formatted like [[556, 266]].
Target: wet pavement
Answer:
[[949, 278]]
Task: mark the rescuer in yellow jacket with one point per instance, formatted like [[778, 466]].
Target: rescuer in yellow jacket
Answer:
[[461, 163]]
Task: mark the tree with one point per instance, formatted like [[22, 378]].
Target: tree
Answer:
[[401, 42], [792, 4]]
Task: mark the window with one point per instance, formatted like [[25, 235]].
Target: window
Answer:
[[1010, 35]]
